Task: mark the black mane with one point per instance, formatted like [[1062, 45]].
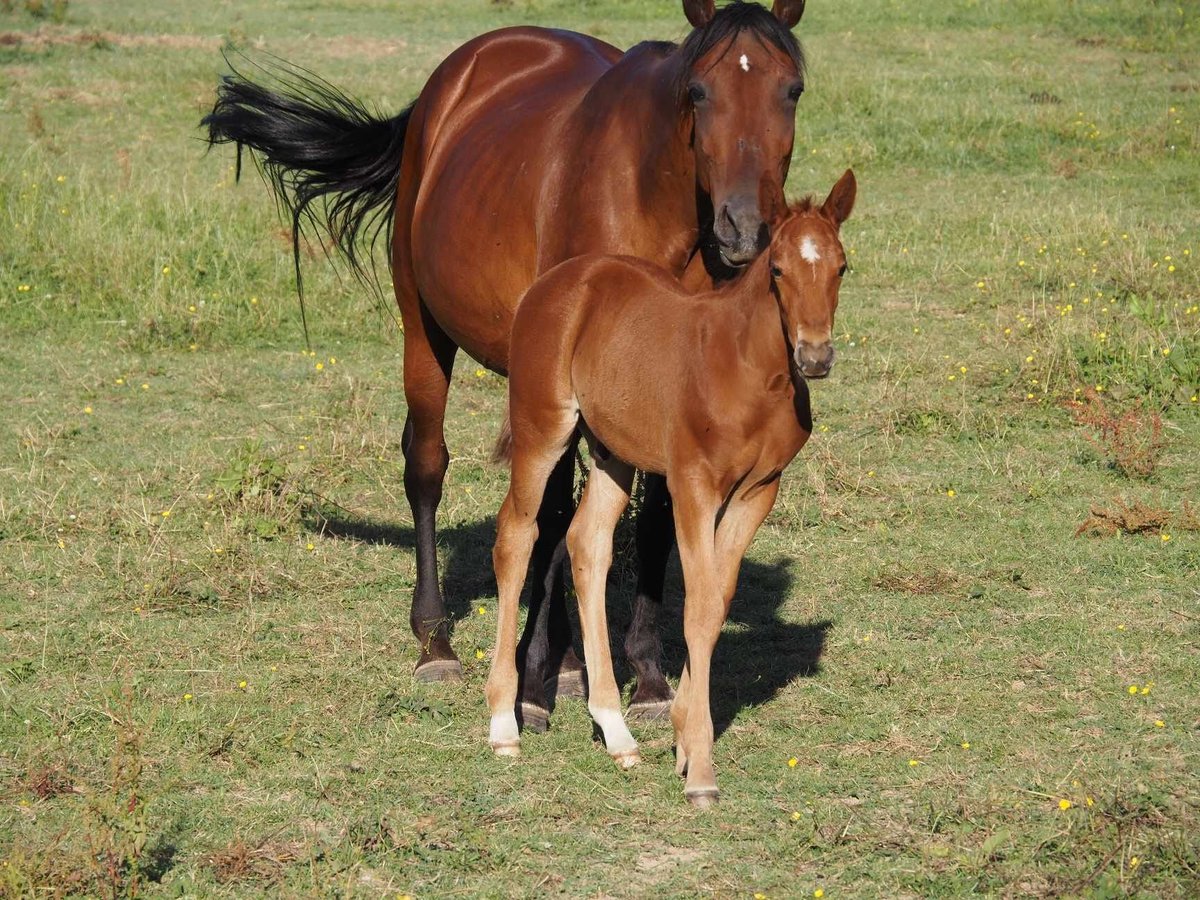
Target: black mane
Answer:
[[727, 23]]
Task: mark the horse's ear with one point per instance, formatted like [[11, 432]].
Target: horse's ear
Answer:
[[788, 11], [700, 12], [840, 202]]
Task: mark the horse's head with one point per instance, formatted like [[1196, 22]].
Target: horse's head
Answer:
[[807, 264], [743, 73]]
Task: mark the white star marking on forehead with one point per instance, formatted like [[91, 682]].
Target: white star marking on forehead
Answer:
[[809, 252], [744, 62]]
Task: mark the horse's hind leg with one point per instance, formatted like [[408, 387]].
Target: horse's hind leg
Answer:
[[428, 360], [546, 640], [534, 458], [643, 647], [590, 541]]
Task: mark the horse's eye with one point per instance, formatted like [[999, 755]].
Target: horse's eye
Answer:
[[795, 91], [842, 270], [776, 272], [696, 93]]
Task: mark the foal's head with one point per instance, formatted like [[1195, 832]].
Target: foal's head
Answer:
[[807, 265], [743, 72]]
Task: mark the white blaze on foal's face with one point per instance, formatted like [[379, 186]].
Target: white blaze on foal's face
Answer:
[[809, 252], [744, 62]]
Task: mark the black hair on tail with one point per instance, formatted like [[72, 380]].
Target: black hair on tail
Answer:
[[331, 163]]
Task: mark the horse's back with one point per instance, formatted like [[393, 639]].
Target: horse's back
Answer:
[[490, 133]]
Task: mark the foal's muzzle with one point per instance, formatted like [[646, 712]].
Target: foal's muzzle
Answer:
[[814, 360], [741, 232]]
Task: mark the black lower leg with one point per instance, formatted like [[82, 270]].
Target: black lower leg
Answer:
[[547, 634], [423, 474], [643, 646]]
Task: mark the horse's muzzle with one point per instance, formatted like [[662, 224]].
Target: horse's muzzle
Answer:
[[741, 233], [814, 360]]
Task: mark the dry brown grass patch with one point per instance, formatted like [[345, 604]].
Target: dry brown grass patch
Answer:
[[926, 580], [1137, 518], [264, 861]]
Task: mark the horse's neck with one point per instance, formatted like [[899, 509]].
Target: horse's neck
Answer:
[[637, 142], [764, 349]]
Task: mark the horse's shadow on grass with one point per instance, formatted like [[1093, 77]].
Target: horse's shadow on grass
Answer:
[[757, 655], [464, 551]]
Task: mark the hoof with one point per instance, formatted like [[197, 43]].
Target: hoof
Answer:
[[567, 683], [628, 759], [649, 712], [533, 718], [703, 798], [507, 749], [439, 670]]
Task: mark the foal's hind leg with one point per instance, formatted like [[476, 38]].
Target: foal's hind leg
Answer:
[[590, 541], [547, 636], [428, 360], [643, 647], [534, 457]]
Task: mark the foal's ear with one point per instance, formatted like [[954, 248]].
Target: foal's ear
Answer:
[[788, 11], [840, 202], [700, 12]]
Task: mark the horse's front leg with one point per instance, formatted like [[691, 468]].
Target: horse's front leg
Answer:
[[590, 540], [428, 361], [643, 646], [703, 615]]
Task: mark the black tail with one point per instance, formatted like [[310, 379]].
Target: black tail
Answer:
[[331, 163]]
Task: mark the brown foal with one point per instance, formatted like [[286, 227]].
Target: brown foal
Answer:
[[705, 389]]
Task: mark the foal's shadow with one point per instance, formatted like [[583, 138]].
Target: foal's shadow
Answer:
[[464, 551], [758, 653]]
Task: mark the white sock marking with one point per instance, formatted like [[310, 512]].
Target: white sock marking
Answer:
[[809, 251], [616, 733], [744, 62], [504, 730]]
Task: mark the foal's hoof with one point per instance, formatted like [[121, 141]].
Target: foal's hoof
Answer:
[[626, 759], [567, 683], [438, 670], [508, 748], [649, 712], [533, 718], [703, 798]]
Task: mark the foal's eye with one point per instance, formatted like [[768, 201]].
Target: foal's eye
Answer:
[[776, 272], [842, 270], [697, 93], [795, 91]]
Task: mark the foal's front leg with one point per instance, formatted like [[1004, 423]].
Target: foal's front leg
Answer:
[[590, 543], [703, 614]]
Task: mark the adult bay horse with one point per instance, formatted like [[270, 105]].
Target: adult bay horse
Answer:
[[707, 390], [526, 147]]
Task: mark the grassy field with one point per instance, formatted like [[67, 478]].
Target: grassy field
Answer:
[[965, 653]]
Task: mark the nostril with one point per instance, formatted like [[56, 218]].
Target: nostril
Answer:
[[729, 223]]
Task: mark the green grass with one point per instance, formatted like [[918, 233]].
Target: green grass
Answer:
[[188, 503]]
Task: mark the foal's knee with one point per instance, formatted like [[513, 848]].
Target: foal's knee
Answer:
[[585, 545]]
